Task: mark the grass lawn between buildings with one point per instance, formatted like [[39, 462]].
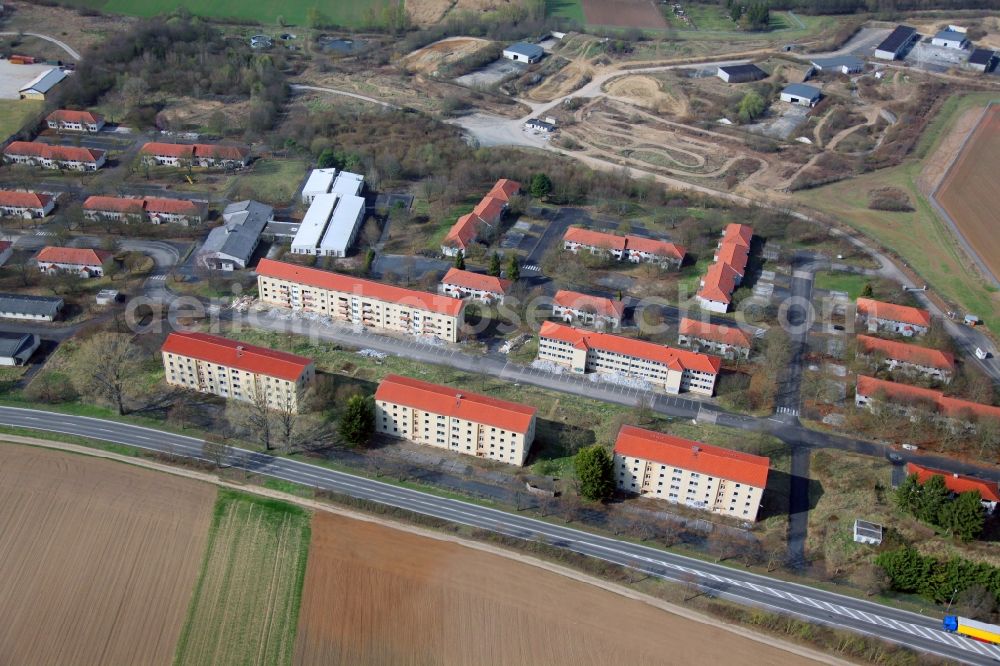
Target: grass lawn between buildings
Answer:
[[848, 282], [15, 113], [923, 240]]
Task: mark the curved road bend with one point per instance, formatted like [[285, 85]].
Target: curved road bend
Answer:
[[913, 630]]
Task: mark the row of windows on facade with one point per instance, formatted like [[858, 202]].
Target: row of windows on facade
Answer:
[[454, 429]]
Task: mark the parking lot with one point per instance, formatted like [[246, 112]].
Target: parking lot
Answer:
[[781, 121], [935, 58], [14, 77]]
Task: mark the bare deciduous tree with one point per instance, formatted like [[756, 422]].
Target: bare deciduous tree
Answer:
[[104, 366], [253, 415]]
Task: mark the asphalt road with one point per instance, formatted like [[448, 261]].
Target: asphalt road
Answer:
[[916, 631]]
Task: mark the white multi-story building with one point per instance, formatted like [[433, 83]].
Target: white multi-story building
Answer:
[[454, 419], [366, 302], [235, 370], [673, 370], [701, 476], [25, 204], [71, 158]]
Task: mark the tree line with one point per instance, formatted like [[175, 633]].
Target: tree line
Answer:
[[932, 502], [943, 581]]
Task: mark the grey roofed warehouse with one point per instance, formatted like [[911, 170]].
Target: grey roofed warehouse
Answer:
[[20, 306]]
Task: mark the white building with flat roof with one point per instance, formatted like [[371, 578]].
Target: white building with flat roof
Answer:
[[348, 183], [343, 227], [319, 182], [314, 224]]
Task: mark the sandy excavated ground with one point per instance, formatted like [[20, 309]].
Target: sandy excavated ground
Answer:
[[646, 91], [99, 558], [430, 58], [374, 595]]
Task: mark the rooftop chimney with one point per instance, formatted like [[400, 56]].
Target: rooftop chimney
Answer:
[[695, 449]]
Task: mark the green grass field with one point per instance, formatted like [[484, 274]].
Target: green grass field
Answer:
[[567, 9], [245, 607], [921, 238], [852, 284], [349, 14], [14, 113], [272, 181]]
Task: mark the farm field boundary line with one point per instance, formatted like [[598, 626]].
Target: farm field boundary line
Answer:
[[943, 213], [431, 534]]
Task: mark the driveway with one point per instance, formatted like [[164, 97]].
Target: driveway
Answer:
[[73, 53]]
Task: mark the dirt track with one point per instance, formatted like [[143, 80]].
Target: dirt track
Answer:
[[99, 558], [374, 595]]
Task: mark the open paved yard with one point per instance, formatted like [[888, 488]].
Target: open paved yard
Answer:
[[13, 77]]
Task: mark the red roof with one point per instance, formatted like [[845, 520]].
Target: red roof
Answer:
[[221, 151], [951, 407], [694, 456], [59, 153], [729, 335], [455, 403], [675, 359], [640, 244], [173, 206], [470, 280], [892, 312], [314, 277], [594, 238], [24, 199], [75, 256], [490, 209], [168, 149], [114, 204], [733, 255], [82, 117], [900, 351], [604, 307], [720, 281], [738, 234], [504, 189], [239, 355], [464, 231], [957, 483]]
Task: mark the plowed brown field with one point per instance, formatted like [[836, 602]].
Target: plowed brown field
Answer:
[[375, 595], [643, 14], [99, 558], [970, 194]]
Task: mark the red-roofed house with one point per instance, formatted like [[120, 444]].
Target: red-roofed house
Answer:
[[75, 121], [572, 306], [905, 399], [232, 369], [674, 370], [654, 251], [25, 204], [636, 249], [359, 301], [727, 272], [486, 215], [34, 153], [989, 491], [152, 209], [911, 359], [85, 261], [195, 154], [698, 475], [597, 242], [454, 419], [728, 341], [458, 283], [900, 319]]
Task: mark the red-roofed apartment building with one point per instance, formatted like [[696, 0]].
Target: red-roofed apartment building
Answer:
[[459, 283], [906, 399], [674, 370], [195, 154], [88, 263], [572, 306], [34, 153], [633, 248], [453, 419], [25, 204], [910, 359], [486, 215], [900, 319], [74, 121], [231, 369], [152, 209], [698, 475], [365, 302], [989, 491], [727, 272], [728, 341]]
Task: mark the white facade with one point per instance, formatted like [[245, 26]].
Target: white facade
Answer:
[[314, 224], [27, 212], [343, 227], [348, 183]]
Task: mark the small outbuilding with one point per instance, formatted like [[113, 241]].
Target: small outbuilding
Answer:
[[801, 94], [17, 348], [981, 60], [106, 297], [524, 52], [869, 533], [843, 64], [540, 125], [741, 73], [950, 39]]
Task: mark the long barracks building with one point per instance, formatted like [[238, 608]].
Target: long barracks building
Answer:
[[359, 301], [674, 370], [453, 419]]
